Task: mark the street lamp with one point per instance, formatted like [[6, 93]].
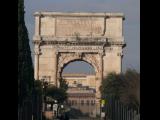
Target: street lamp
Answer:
[[44, 86], [55, 108], [43, 95]]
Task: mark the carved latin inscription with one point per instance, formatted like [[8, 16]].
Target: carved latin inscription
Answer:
[[84, 26]]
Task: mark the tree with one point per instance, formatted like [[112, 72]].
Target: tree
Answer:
[[25, 67], [37, 99], [63, 84], [112, 85], [38, 87], [124, 86], [58, 94], [131, 94]]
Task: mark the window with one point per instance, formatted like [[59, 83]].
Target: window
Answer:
[[75, 102], [69, 102], [87, 102], [72, 102], [82, 102], [74, 82], [92, 102]]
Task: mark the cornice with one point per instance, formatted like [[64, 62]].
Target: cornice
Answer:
[[79, 14]]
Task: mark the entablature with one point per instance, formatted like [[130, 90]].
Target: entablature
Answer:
[[72, 41]]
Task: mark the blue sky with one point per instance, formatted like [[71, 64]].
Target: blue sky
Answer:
[[131, 26]]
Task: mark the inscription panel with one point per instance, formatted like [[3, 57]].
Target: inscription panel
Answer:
[[82, 26], [79, 48]]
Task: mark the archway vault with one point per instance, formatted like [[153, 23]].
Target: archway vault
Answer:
[[78, 62], [66, 58], [94, 59], [91, 58]]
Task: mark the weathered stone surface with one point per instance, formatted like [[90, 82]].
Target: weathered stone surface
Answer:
[[82, 24], [60, 38]]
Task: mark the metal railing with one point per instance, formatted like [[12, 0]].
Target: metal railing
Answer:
[[115, 110]]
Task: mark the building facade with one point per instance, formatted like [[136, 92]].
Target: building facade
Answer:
[[80, 79], [82, 93]]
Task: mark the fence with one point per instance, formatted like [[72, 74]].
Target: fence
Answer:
[[25, 111], [115, 110], [84, 108]]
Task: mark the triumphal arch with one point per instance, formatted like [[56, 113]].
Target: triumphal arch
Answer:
[[61, 38]]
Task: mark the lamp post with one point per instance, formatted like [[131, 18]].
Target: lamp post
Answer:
[[55, 108], [44, 86], [42, 100]]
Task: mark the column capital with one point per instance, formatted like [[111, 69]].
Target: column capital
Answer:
[[101, 54], [57, 52], [37, 38], [37, 52], [120, 54]]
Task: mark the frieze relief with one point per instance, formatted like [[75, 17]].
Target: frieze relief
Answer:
[[80, 47]]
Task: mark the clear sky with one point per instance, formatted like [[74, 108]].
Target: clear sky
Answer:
[[131, 26]]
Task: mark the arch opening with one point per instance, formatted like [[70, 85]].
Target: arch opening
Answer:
[[79, 73], [81, 78], [78, 66]]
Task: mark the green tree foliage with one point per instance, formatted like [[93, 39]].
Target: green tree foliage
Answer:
[[25, 67], [63, 84], [131, 93], [58, 94], [125, 87], [112, 85]]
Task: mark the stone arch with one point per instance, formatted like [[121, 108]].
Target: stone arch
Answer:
[[66, 58], [65, 64], [55, 48]]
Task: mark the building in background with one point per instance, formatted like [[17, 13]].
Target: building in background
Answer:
[[80, 79], [81, 93]]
